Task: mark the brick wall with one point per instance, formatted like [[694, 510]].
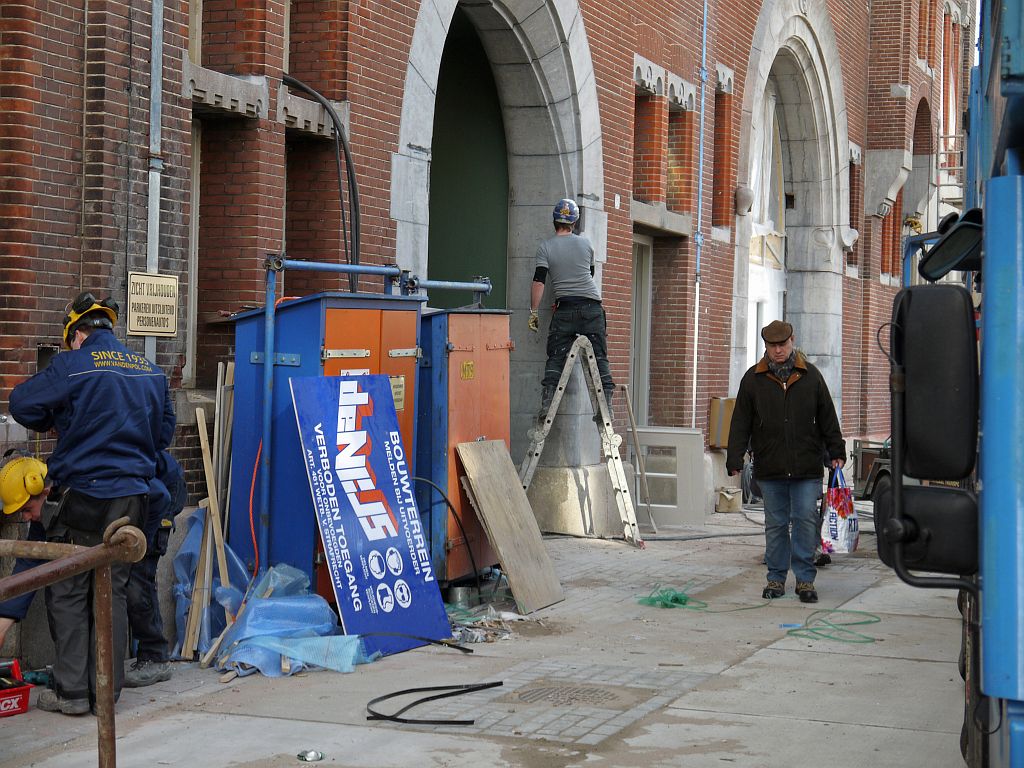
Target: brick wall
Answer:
[[724, 160], [682, 156], [74, 212], [650, 148]]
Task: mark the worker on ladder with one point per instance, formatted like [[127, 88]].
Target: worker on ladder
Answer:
[[569, 260]]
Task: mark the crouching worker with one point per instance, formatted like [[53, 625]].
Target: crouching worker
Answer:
[[25, 492], [167, 497]]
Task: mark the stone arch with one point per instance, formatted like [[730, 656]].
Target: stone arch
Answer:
[[795, 45], [545, 80], [920, 184]]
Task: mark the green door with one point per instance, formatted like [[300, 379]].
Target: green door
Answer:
[[468, 173]]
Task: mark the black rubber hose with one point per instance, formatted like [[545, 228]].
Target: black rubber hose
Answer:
[[465, 538], [351, 249]]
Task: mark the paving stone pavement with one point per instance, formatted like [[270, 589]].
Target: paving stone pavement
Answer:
[[566, 702], [595, 679]]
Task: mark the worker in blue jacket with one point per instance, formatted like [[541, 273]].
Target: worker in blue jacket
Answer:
[[25, 489], [112, 411], [167, 497]]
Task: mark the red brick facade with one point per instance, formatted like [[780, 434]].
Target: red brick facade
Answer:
[[74, 131]]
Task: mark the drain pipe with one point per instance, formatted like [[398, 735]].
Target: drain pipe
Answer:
[[156, 161], [698, 236]]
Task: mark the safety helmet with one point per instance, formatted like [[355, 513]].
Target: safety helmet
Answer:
[[566, 211], [85, 310], [21, 479]]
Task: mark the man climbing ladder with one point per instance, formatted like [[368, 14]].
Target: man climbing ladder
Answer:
[[582, 348], [568, 259]]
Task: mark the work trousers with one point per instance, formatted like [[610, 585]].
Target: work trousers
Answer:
[[69, 602], [572, 319], [144, 610]]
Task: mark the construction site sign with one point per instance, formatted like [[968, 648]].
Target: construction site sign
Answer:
[[365, 502], [152, 304]]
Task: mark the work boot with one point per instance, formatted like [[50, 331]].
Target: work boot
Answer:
[[773, 589], [49, 701], [143, 673], [807, 592]]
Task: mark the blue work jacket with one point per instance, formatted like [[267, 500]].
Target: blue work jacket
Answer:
[[167, 496], [112, 411]]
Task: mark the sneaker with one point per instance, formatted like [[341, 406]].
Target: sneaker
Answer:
[[145, 673], [49, 701], [807, 592], [773, 590], [822, 559]]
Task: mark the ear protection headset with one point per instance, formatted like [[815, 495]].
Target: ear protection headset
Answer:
[[21, 479]]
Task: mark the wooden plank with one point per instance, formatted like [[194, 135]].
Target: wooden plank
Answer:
[[218, 413], [211, 490], [227, 426], [501, 504], [638, 451], [200, 596]]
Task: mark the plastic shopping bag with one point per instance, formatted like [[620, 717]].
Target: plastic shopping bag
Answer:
[[840, 532]]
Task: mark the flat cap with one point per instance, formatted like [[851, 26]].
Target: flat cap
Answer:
[[776, 332]]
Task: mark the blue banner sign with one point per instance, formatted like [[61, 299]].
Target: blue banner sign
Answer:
[[365, 505]]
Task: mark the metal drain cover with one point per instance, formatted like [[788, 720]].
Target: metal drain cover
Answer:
[[566, 693]]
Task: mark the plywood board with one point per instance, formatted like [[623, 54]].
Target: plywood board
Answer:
[[501, 503]]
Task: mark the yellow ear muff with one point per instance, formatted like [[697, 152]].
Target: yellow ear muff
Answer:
[[21, 479], [34, 484]]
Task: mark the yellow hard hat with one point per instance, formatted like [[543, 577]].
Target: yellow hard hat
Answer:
[[21, 479], [103, 314]]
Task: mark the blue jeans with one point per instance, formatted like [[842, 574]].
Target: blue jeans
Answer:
[[790, 527]]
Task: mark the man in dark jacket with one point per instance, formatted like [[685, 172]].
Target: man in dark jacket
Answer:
[[113, 414], [784, 409], [167, 497]]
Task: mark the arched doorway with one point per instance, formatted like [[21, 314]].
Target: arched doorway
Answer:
[[794, 150], [468, 172], [544, 82], [920, 186], [766, 299]]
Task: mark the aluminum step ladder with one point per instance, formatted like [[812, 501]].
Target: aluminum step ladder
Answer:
[[610, 441]]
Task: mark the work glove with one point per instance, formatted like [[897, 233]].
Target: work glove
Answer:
[[534, 322]]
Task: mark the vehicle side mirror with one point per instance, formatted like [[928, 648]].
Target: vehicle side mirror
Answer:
[[934, 387], [938, 529], [958, 248], [933, 340]]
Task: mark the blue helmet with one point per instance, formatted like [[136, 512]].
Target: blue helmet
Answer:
[[566, 212]]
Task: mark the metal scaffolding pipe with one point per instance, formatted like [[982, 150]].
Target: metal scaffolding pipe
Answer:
[[102, 607], [450, 285], [129, 547], [355, 269], [37, 550]]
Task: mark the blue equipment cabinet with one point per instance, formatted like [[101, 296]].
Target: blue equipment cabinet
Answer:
[[324, 334], [463, 396]]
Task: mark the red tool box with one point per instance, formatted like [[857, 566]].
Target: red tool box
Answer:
[[13, 689]]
